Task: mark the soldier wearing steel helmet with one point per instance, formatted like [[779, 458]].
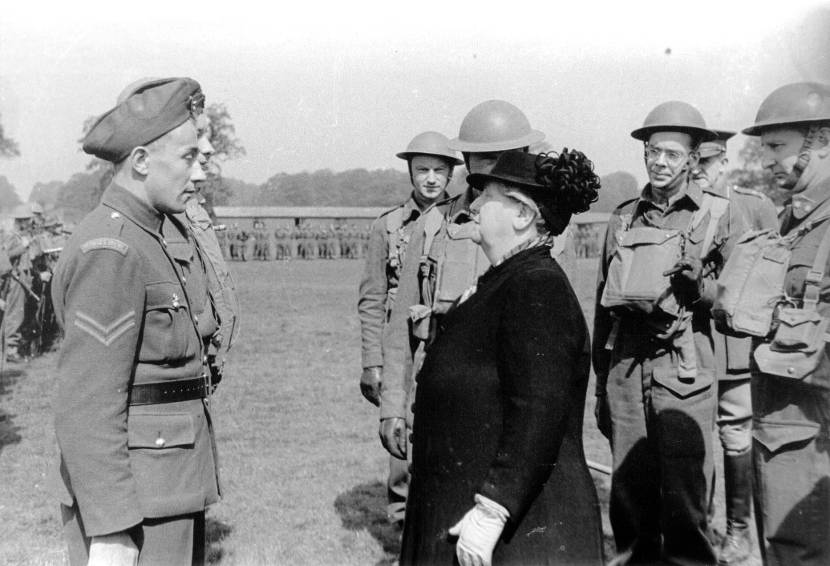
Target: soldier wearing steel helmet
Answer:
[[18, 296], [754, 211], [431, 163], [791, 408], [652, 347]]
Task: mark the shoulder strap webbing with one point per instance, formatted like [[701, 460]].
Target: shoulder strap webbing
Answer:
[[432, 223], [812, 282], [716, 207], [394, 220]]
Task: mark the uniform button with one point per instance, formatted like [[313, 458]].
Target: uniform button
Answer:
[[790, 370], [204, 359], [195, 318], [184, 279], [160, 442], [115, 215], [164, 242]]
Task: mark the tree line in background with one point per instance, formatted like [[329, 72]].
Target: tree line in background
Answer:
[[354, 187]]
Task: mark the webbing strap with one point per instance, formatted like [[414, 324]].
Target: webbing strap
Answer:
[[812, 282], [432, 223]]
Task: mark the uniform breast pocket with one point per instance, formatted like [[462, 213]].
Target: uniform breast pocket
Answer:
[[681, 388], [167, 324]]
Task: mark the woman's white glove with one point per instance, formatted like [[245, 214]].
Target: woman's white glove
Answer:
[[478, 531]]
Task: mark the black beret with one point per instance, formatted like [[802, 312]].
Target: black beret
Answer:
[[158, 107]]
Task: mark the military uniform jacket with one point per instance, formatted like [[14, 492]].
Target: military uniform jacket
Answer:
[[631, 342], [398, 343], [788, 412], [388, 242], [129, 293], [221, 284]]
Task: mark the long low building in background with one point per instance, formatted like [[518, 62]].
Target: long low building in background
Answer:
[[287, 216]]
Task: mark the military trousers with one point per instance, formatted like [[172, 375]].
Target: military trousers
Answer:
[[735, 415], [663, 466], [791, 456], [167, 541], [14, 316]]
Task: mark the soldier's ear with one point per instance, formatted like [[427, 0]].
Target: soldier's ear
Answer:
[[140, 160], [822, 141]]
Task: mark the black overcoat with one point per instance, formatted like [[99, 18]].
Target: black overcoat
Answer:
[[498, 411]]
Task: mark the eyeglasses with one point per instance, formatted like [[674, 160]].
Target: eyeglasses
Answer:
[[673, 157], [196, 103]]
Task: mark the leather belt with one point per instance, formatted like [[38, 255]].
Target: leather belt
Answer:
[[168, 391]]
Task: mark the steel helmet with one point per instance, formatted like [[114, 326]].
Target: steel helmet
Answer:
[[675, 116], [22, 211], [495, 125], [430, 143], [791, 105]]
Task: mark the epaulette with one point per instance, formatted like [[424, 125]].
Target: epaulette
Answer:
[[390, 210], [624, 204], [753, 192], [108, 236]]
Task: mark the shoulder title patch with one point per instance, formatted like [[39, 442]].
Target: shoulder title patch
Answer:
[[105, 244]]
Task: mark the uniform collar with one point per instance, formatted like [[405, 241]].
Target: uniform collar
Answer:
[[690, 193], [411, 205], [459, 210], [809, 200], [410, 209], [120, 199], [174, 234], [720, 189]]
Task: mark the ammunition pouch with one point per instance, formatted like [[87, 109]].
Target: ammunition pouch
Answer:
[[797, 349]]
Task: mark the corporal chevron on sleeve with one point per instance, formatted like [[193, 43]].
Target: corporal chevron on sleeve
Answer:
[[106, 335]]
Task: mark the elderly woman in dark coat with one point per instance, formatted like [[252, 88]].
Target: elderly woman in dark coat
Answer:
[[499, 472]]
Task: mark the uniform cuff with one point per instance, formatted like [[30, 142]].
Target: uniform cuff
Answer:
[[371, 359]]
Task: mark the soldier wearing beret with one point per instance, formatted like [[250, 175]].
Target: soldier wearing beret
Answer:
[[137, 448], [221, 285]]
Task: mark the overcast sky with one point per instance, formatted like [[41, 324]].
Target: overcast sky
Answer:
[[346, 86]]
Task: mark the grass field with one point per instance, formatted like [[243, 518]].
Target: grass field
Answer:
[[302, 468]]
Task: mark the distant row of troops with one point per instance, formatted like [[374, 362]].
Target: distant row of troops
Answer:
[[340, 242], [303, 242]]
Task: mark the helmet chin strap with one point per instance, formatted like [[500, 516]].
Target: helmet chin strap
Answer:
[[803, 159]]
